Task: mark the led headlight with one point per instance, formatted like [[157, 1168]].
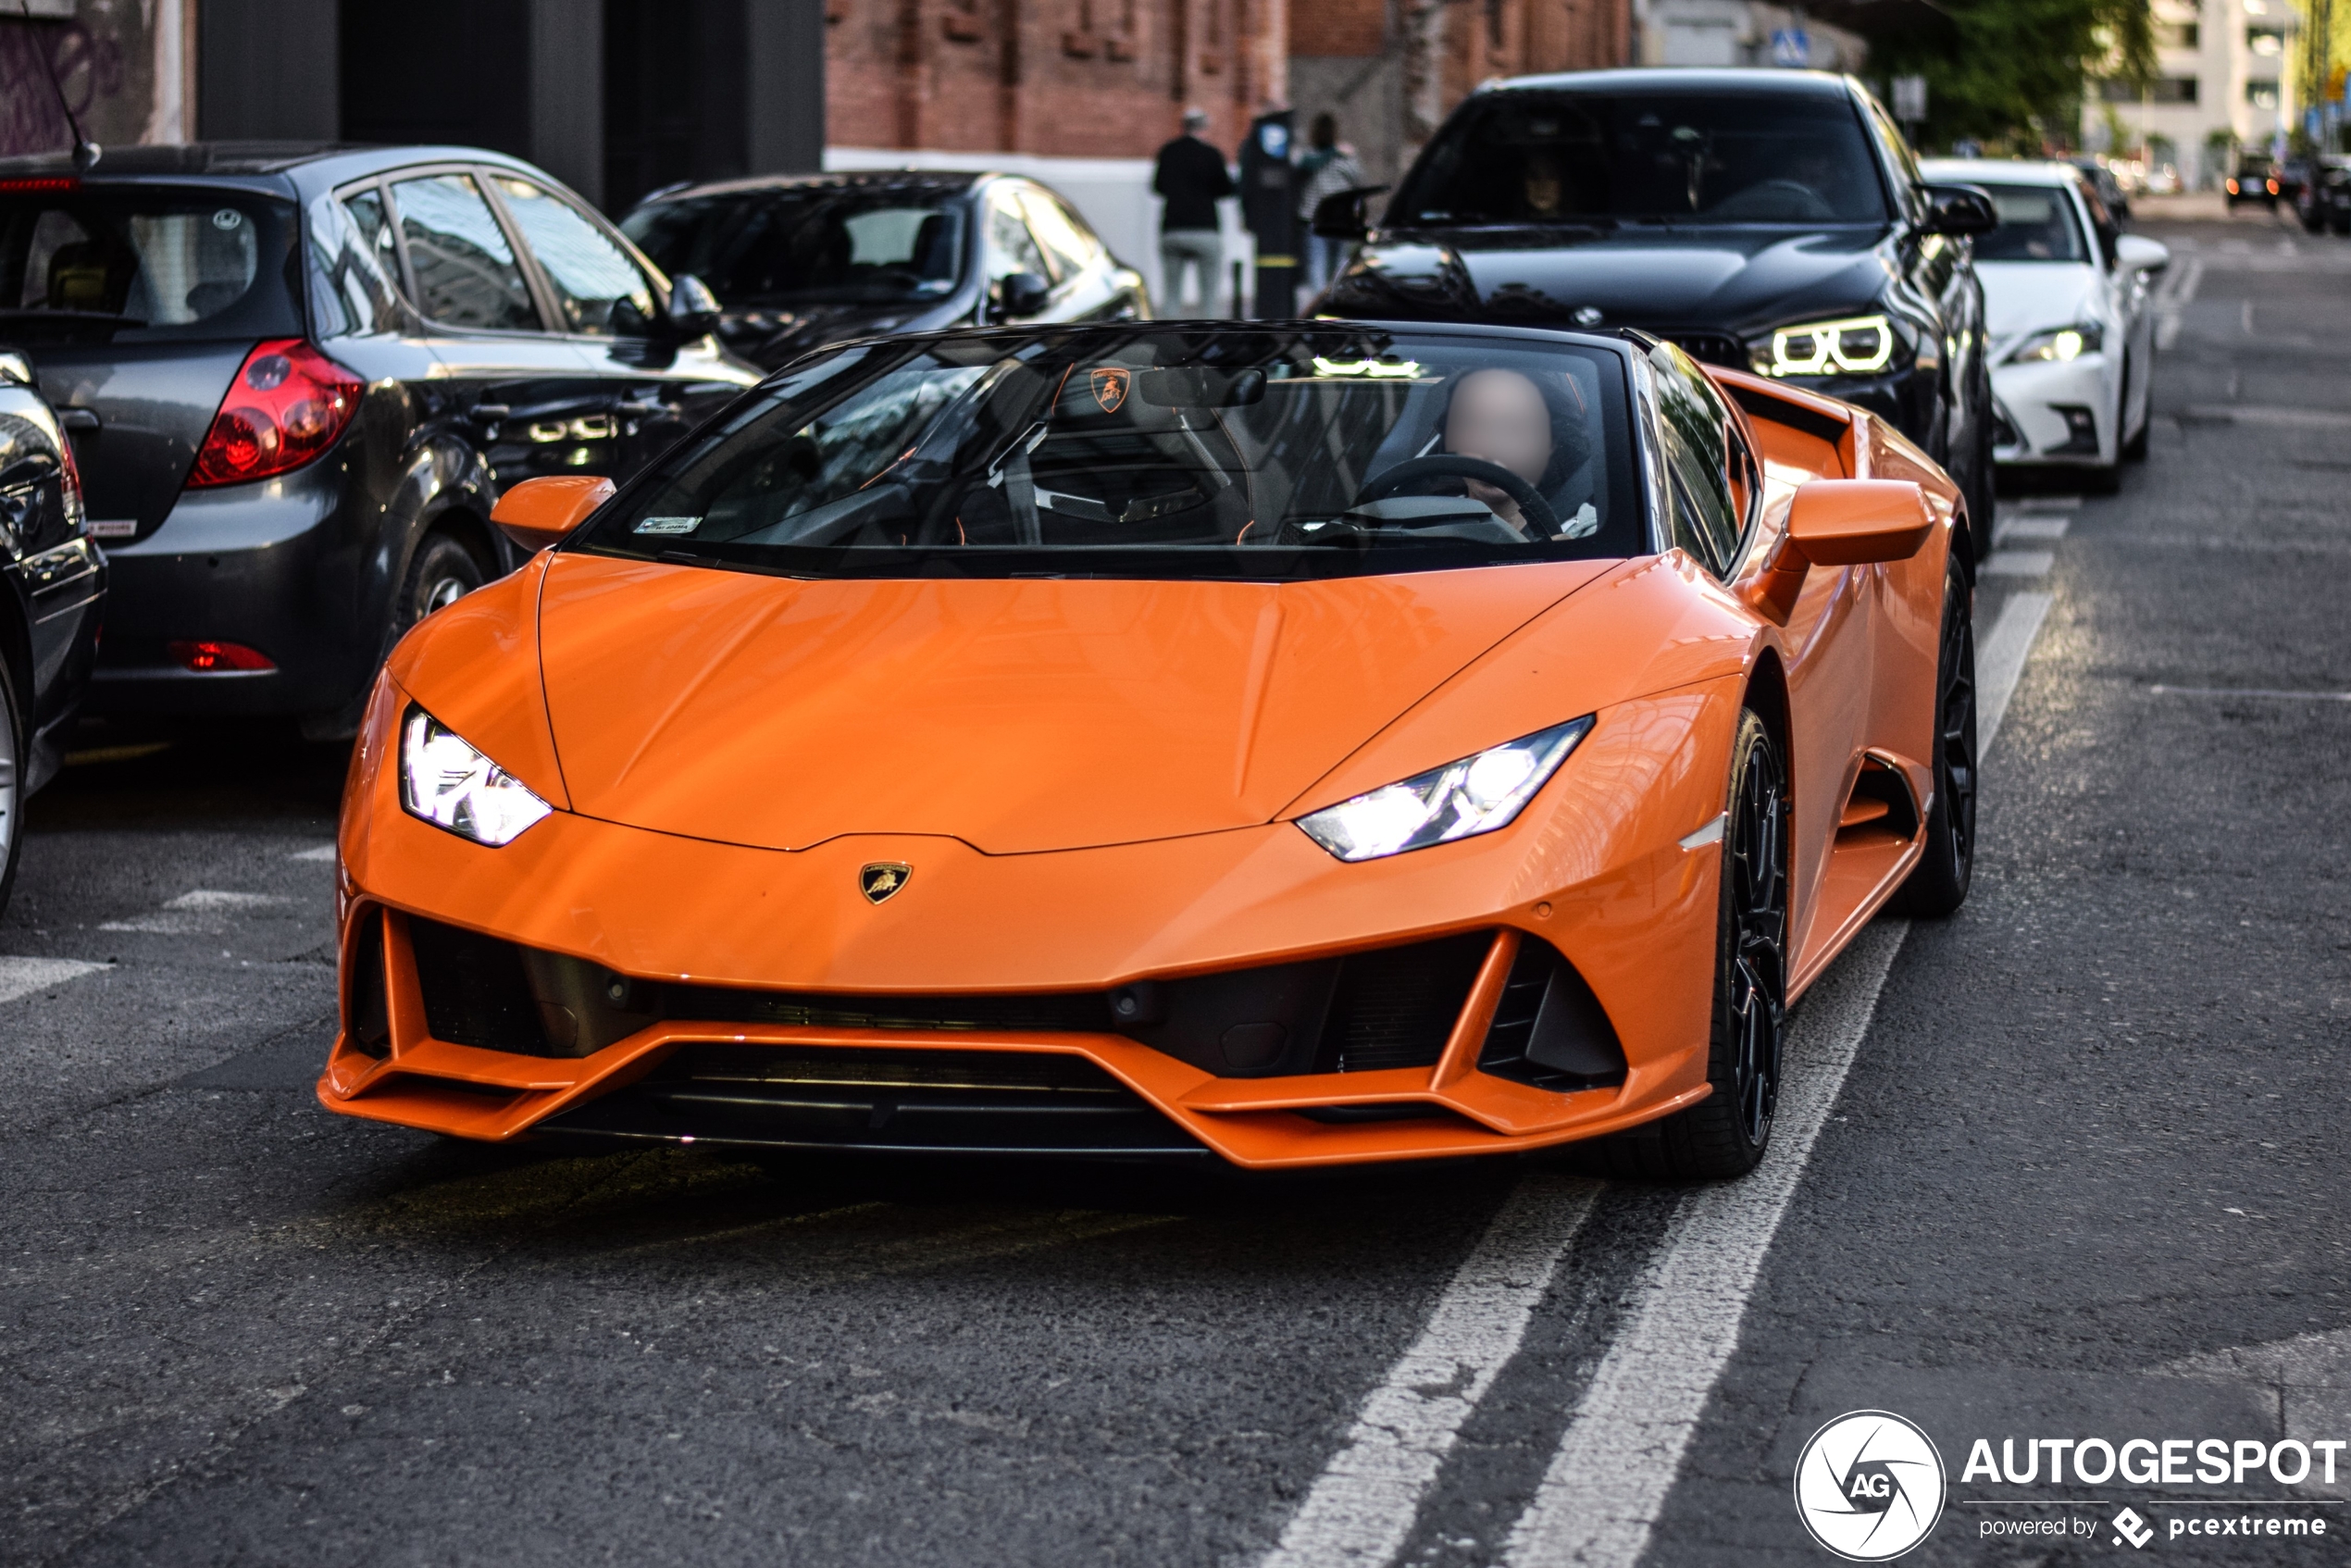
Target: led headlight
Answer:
[[2059, 344], [451, 785], [1474, 795], [1854, 346]]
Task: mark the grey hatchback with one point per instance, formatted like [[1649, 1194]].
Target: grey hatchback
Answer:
[[297, 378]]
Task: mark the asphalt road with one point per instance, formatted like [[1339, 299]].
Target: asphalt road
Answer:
[[2068, 1165]]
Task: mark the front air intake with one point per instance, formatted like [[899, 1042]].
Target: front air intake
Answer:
[[1548, 1029]]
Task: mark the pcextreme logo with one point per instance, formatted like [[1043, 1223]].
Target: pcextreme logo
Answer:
[[1869, 1486]]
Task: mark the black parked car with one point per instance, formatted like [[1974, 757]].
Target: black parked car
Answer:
[[55, 588], [297, 379], [2255, 181], [801, 262], [1771, 221], [2323, 202]]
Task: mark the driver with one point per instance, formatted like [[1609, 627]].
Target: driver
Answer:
[[1504, 416]]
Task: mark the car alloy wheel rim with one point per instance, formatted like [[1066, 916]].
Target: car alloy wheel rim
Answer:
[[442, 594], [1958, 738], [8, 784], [1758, 868]]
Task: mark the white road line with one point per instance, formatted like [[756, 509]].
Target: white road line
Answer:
[[324, 852], [1363, 1506], [2019, 563], [1999, 660], [194, 914], [2276, 693], [2173, 300], [22, 976], [2050, 528], [1622, 1451]]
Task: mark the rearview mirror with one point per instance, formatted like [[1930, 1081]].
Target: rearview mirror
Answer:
[[693, 309], [1020, 293], [1959, 211], [1841, 523], [1340, 214], [2141, 255], [538, 513]]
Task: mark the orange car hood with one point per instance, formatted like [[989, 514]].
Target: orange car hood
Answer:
[[1018, 715]]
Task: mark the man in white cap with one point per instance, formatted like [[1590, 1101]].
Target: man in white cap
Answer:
[[1192, 177]]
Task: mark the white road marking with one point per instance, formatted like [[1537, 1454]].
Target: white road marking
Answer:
[[2046, 504], [1623, 1450], [324, 852], [1361, 1507], [2019, 563], [2177, 291], [1609, 1481], [2275, 693], [22, 976], [2051, 528], [193, 914], [1999, 660], [2248, 319]]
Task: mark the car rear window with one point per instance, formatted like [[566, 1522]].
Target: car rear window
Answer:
[[1606, 157], [864, 245], [143, 264], [2036, 224]]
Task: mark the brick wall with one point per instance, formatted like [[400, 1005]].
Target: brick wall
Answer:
[[1068, 78]]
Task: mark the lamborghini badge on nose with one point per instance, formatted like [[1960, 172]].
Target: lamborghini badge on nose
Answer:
[[881, 879]]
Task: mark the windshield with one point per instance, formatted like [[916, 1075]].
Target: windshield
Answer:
[[1260, 453], [858, 245], [2036, 224], [1591, 158], [133, 263]]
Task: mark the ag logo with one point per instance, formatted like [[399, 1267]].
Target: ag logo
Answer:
[[879, 879], [1869, 1486], [2129, 1527], [1110, 389]]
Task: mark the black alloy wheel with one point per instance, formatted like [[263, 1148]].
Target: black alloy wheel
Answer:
[[14, 761], [1938, 885], [1725, 1134]]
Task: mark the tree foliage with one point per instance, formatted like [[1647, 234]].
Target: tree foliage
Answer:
[[2019, 69]]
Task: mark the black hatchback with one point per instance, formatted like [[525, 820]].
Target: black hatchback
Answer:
[[297, 379]]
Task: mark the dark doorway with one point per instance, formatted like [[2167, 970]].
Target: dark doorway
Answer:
[[438, 71], [677, 79]]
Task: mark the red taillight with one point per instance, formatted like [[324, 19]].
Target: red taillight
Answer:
[[40, 182], [206, 658], [2273, 187], [76, 517], [2233, 187], [287, 404]]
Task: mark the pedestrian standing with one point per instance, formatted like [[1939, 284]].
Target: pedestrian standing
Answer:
[[1192, 177], [1328, 167]]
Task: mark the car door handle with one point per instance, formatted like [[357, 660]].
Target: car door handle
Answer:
[[79, 419]]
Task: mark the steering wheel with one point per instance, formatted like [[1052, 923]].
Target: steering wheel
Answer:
[[1540, 519]]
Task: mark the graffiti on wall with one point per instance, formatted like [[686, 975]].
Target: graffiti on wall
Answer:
[[104, 58]]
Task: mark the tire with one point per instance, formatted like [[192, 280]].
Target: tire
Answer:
[[1938, 883], [2104, 480], [1725, 1134], [14, 758], [2135, 449], [441, 572]]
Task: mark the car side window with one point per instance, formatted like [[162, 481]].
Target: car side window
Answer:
[[355, 266], [1011, 247], [466, 275], [1702, 451], [1068, 245], [591, 276]]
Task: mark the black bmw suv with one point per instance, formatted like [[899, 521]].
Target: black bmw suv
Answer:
[[1771, 221], [297, 379]]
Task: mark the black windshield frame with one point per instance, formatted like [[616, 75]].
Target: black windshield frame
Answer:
[[802, 391], [1478, 171]]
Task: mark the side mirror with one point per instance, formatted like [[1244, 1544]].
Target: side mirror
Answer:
[[16, 367], [1020, 293], [1959, 211], [538, 513], [1340, 214], [693, 309], [1842, 523], [2141, 255]]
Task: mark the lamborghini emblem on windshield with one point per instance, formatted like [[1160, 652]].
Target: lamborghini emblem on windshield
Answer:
[[880, 878], [1109, 388]]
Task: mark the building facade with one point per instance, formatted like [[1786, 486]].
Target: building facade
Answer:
[[2224, 78]]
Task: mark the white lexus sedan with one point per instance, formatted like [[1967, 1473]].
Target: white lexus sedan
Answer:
[[2067, 309]]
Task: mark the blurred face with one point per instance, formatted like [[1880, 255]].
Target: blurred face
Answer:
[[1500, 416], [1542, 187]]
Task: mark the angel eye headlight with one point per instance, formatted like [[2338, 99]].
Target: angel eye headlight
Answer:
[[2059, 344], [451, 785], [1854, 346], [1476, 794]]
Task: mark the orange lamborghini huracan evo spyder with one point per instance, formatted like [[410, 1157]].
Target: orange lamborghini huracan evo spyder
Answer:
[[1296, 744]]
